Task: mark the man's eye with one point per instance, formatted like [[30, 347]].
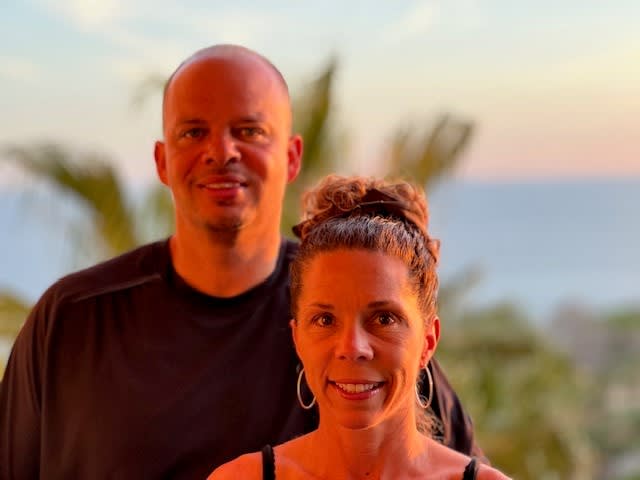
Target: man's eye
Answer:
[[194, 133], [251, 132]]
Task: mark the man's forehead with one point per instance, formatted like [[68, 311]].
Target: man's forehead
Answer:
[[206, 84], [226, 53], [223, 72], [222, 62], [230, 60]]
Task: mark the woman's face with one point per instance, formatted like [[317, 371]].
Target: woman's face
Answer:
[[361, 337]]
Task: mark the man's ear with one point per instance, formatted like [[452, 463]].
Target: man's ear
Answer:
[[294, 157], [161, 161], [431, 338]]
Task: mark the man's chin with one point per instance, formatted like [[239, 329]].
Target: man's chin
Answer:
[[227, 225]]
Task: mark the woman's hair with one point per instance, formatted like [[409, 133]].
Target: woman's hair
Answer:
[[370, 214]]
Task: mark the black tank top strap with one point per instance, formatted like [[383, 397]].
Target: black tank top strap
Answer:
[[269, 463], [471, 470]]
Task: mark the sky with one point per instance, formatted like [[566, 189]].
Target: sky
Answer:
[[552, 88]]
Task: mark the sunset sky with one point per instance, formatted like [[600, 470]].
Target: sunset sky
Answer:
[[552, 87]]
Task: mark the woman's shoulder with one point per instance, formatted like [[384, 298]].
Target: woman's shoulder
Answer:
[[248, 466], [453, 464], [485, 472]]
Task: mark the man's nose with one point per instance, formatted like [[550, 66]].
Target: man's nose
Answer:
[[353, 343], [221, 149]]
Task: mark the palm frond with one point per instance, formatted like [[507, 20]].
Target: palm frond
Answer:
[[13, 312], [91, 180], [149, 85], [313, 108], [426, 155], [312, 111], [156, 213]]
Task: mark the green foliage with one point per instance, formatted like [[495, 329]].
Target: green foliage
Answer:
[[425, 156], [527, 400], [13, 311], [624, 320], [156, 218], [312, 113], [93, 184], [92, 181], [618, 434], [421, 154], [150, 84]]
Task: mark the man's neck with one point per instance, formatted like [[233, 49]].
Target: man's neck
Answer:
[[223, 267]]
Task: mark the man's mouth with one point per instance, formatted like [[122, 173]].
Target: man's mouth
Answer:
[[222, 185], [222, 181]]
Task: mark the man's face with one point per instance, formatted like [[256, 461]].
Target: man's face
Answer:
[[228, 153]]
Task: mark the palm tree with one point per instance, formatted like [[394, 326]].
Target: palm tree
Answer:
[[92, 182], [94, 186]]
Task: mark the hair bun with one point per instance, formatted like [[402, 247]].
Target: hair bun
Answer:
[[341, 197], [433, 245]]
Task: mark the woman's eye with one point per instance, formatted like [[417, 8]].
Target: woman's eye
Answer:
[[386, 318], [323, 320]]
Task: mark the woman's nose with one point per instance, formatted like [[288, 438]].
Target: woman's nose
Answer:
[[353, 343]]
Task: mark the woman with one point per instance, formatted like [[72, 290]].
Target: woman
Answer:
[[363, 292]]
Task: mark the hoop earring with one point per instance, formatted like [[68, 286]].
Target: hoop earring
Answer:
[[419, 397], [313, 402]]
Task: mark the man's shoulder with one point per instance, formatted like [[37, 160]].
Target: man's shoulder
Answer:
[[289, 249], [138, 266], [246, 466], [291, 246]]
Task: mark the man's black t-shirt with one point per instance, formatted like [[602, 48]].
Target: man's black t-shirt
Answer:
[[124, 371]]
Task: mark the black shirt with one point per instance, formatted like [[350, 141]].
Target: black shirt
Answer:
[[124, 371]]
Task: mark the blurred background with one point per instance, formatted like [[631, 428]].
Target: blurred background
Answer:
[[519, 118]]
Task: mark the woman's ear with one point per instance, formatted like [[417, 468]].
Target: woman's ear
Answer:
[[294, 333], [431, 338]]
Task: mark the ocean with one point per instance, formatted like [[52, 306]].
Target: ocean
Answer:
[[537, 245], [541, 245]]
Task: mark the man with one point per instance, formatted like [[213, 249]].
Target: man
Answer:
[[152, 364]]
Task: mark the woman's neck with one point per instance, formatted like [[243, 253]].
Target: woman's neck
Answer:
[[387, 451]]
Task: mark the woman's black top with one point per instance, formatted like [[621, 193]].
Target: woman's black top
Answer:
[[268, 463], [269, 466]]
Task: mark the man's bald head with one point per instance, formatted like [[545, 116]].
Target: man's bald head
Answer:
[[223, 51], [228, 151]]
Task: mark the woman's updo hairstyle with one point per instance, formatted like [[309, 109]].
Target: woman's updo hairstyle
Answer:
[[370, 214]]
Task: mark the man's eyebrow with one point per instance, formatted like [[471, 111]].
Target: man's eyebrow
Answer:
[[252, 117], [382, 303]]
